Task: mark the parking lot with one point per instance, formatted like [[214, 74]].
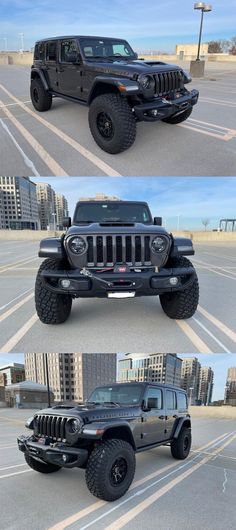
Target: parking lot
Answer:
[[59, 142], [164, 490], [133, 325]]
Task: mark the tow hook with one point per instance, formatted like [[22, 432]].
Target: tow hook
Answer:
[[85, 272]]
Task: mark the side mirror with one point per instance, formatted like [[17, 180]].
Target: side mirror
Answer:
[[136, 55], [158, 221], [66, 222]]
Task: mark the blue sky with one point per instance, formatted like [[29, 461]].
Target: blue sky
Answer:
[[218, 362], [147, 25], [193, 198]]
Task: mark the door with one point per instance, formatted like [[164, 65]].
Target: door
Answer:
[[153, 420], [51, 65], [171, 411], [70, 69]]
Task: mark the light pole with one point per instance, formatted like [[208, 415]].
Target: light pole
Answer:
[[204, 8], [47, 379], [5, 40], [22, 41], [197, 67]]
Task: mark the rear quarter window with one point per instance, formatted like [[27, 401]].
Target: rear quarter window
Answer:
[[170, 400], [39, 51], [182, 402]]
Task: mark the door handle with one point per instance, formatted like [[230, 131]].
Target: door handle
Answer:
[[161, 417]]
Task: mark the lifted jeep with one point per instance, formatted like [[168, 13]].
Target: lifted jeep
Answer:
[[105, 74], [103, 434], [115, 250]]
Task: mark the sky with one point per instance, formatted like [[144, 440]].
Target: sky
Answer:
[[147, 25], [218, 362], [190, 198]]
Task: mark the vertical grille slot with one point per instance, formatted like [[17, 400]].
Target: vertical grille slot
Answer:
[[108, 250], [128, 250], [146, 248], [90, 249], [166, 82], [138, 249], [51, 426], [100, 249], [118, 249]]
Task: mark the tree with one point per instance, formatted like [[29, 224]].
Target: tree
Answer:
[[205, 222], [214, 46], [232, 49]]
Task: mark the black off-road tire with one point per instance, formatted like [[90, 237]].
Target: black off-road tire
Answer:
[[41, 467], [180, 447], [123, 123], [40, 97], [100, 465], [179, 117], [52, 308], [181, 304]]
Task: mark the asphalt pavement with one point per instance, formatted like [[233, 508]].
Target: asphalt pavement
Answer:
[[58, 142], [129, 325], [198, 492]]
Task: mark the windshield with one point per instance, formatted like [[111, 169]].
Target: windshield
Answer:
[[107, 212], [118, 394], [106, 48]]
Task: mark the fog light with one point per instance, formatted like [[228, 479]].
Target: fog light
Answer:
[[65, 284], [64, 458], [173, 281], [155, 112]]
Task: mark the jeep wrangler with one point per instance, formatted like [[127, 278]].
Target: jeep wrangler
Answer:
[[103, 434], [120, 89], [114, 249]]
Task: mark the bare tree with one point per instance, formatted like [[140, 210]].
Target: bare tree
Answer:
[[206, 222], [232, 49]]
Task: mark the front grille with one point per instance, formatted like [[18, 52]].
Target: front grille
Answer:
[[167, 82], [51, 426], [110, 250]]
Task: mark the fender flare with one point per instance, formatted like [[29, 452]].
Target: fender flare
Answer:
[[36, 72], [182, 422], [124, 86]]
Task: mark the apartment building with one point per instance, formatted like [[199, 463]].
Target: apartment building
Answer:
[[230, 387], [155, 368], [12, 373], [18, 204], [206, 384], [190, 378], [72, 376], [61, 209], [46, 206]]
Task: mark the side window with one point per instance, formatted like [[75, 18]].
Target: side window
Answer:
[[170, 400], [51, 51], [69, 51], [182, 402], [39, 51], [154, 398]]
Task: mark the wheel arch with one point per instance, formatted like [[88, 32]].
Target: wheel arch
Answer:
[[182, 422], [36, 73], [122, 432]]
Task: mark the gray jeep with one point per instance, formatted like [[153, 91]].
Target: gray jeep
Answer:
[[103, 434], [106, 75]]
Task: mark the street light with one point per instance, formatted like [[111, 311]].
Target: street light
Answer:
[[22, 41], [47, 379], [204, 8], [5, 40]]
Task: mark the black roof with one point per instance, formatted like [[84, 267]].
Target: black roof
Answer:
[[143, 384], [77, 37]]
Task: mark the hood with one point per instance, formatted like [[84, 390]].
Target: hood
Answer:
[[91, 412], [115, 228], [130, 69]]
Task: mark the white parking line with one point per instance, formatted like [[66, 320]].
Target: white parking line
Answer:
[[108, 170], [16, 473], [9, 266], [211, 335], [2, 106], [29, 163], [12, 467], [14, 299], [220, 325], [17, 306], [10, 344]]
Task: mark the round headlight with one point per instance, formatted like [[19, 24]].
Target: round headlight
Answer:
[[147, 82], [77, 245], [158, 244], [75, 425]]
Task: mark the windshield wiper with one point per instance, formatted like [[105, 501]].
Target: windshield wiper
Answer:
[[111, 403]]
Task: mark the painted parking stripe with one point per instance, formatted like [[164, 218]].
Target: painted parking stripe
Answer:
[[17, 306], [108, 170], [16, 473], [10, 344], [16, 298], [210, 129], [54, 167], [90, 509], [13, 265], [193, 337], [214, 266], [211, 335], [222, 327], [222, 103], [12, 467], [131, 514], [28, 163], [3, 105]]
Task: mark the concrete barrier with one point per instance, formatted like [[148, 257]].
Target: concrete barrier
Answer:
[[37, 235], [16, 58], [224, 412]]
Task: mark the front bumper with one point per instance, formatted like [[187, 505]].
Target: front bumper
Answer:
[[147, 282], [54, 453], [162, 108]]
